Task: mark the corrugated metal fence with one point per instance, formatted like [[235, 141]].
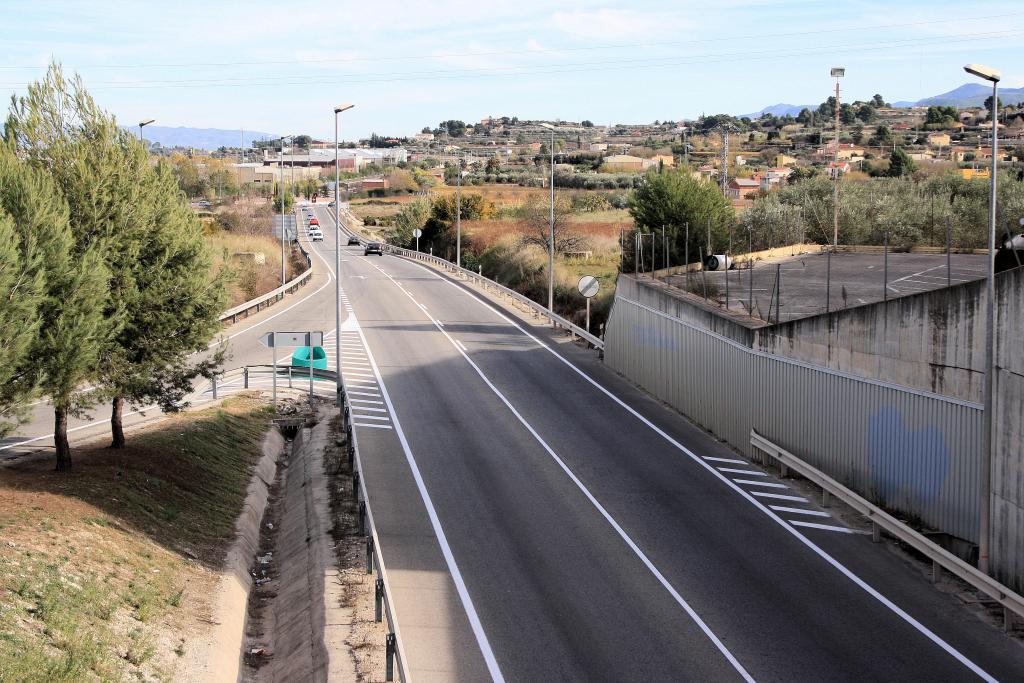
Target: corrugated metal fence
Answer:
[[906, 450]]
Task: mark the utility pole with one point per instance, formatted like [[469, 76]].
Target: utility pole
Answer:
[[724, 175]]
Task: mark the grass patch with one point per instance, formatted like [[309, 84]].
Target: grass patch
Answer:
[[94, 564]]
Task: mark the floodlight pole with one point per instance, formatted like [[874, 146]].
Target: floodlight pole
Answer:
[[985, 474], [339, 388]]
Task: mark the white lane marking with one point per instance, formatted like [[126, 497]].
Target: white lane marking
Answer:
[[736, 470], [593, 501], [844, 530], [799, 511], [440, 323], [367, 424], [808, 543], [461, 345], [435, 522], [778, 496], [733, 460], [75, 429], [351, 373], [362, 407], [363, 400], [364, 393], [361, 416], [752, 482]]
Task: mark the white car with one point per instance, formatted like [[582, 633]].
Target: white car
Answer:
[[316, 235]]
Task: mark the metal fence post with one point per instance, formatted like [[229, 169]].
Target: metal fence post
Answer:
[[369, 554], [213, 381], [885, 268], [245, 377], [378, 599], [355, 485], [389, 657], [362, 517]]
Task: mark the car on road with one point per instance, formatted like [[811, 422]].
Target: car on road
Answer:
[[314, 221], [373, 248], [316, 235], [353, 241]]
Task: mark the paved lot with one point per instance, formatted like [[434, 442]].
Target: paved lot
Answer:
[[804, 281]]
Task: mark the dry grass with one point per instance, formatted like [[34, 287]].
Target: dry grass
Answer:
[[253, 279], [105, 568]]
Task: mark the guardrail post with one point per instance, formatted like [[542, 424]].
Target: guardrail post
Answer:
[[389, 657], [290, 376], [936, 571], [362, 517], [245, 377], [213, 382], [1007, 620], [369, 554], [378, 594], [876, 533], [783, 470], [824, 498], [355, 485]]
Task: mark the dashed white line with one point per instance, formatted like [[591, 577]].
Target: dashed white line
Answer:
[[778, 496], [827, 527], [799, 511], [732, 460], [761, 483], [735, 470]]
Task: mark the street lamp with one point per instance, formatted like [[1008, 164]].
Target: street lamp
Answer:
[[283, 230], [142, 124], [837, 73], [458, 215], [985, 494], [337, 256], [551, 234]]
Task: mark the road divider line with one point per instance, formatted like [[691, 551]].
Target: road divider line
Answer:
[[807, 542], [591, 498], [449, 557]]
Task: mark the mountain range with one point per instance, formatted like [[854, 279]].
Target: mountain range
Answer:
[[967, 95], [200, 138]]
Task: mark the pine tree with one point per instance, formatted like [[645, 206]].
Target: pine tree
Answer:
[[58, 129], [175, 303]]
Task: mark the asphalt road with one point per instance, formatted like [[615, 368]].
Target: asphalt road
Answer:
[[588, 533], [542, 519]]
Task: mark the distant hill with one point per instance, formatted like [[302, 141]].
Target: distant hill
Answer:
[[967, 95], [781, 110], [200, 138], [972, 95]]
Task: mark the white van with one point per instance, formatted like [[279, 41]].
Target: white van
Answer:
[[316, 235]]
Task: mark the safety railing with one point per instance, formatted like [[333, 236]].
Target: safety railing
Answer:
[[489, 284], [881, 520], [243, 310], [383, 599]]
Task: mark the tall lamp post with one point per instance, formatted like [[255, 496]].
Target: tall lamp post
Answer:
[[143, 124], [337, 256], [551, 226], [837, 73], [283, 230], [985, 492], [458, 215]]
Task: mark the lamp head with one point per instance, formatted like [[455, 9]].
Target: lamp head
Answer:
[[982, 71], [343, 107], [838, 72], [146, 122]]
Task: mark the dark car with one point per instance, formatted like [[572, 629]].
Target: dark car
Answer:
[[373, 248], [353, 241]]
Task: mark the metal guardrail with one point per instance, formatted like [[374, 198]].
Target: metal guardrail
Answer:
[[259, 303], [880, 519], [487, 283], [384, 601], [538, 310]]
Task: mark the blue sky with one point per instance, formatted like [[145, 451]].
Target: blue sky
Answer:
[[280, 67]]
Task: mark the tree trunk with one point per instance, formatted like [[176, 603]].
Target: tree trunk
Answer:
[[62, 448], [116, 425]]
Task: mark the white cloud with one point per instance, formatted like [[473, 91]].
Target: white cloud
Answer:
[[616, 25]]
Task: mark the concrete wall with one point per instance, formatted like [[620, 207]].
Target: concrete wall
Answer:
[[933, 341]]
